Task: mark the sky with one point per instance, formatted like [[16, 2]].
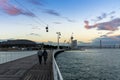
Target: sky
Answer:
[[85, 20]]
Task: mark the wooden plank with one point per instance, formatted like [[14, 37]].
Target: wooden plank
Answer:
[[14, 70], [9, 78], [40, 71], [27, 69]]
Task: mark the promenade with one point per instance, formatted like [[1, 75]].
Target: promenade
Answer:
[[27, 68]]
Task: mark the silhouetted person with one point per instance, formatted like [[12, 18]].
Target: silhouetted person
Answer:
[[45, 55], [40, 55]]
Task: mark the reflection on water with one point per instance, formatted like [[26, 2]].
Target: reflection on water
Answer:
[[96, 64], [13, 55]]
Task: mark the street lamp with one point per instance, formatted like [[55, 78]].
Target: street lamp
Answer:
[[58, 37]]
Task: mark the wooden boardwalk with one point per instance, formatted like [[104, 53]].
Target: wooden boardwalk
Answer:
[[27, 69], [40, 71]]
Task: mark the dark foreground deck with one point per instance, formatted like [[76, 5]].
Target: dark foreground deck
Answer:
[[27, 69]]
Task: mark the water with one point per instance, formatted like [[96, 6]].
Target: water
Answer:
[[6, 56], [94, 64]]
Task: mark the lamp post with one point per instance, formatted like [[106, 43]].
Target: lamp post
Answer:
[[58, 37], [72, 40]]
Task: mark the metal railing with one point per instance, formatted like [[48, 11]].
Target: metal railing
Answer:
[[56, 72]]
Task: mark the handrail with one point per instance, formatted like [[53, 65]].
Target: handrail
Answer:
[[56, 72]]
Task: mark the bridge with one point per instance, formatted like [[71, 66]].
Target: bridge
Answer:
[[28, 68]]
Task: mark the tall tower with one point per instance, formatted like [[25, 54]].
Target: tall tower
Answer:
[[100, 43], [74, 44]]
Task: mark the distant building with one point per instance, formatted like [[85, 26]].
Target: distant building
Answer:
[[74, 44], [18, 43]]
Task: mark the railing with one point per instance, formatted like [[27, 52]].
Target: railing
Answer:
[[56, 71]]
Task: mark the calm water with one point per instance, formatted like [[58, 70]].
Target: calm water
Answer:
[[13, 55], [96, 64]]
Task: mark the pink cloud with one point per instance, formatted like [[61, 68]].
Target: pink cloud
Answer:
[[12, 9], [110, 25], [87, 26], [111, 32]]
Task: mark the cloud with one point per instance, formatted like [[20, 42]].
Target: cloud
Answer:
[[110, 25], [69, 20], [12, 9], [52, 12], [101, 17], [112, 17], [55, 13], [107, 41], [34, 34], [28, 14], [104, 15], [111, 13], [36, 28], [87, 26], [109, 33], [115, 37], [57, 22], [103, 36], [36, 2]]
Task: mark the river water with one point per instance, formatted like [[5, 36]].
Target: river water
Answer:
[[91, 64], [6, 56]]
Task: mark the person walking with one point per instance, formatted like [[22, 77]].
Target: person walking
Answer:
[[45, 55], [40, 56]]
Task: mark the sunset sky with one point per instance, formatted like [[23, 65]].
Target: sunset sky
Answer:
[[87, 20]]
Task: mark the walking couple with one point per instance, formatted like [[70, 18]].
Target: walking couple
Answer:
[[43, 54]]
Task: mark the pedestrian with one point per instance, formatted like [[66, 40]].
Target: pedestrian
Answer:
[[45, 55], [40, 55]]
